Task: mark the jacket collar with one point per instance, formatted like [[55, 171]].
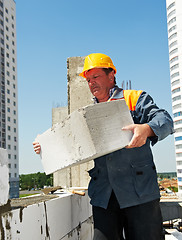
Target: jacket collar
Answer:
[[113, 91]]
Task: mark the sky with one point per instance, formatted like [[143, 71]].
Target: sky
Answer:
[[133, 33]]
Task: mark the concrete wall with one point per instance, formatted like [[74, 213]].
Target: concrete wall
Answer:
[[68, 216], [4, 177], [171, 209], [78, 96], [58, 114], [78, 91]]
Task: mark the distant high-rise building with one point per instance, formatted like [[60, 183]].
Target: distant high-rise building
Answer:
[[9, 94], [174, 23]]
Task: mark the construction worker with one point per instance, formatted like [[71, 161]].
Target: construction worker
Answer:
[[123, 189]]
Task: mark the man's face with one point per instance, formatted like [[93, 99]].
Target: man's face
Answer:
[[100, 83]]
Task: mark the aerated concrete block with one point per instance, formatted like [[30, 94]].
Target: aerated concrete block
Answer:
[[87, 133], [4, 177], [52, 219]]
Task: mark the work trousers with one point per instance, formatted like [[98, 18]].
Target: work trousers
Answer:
[[141, 222]]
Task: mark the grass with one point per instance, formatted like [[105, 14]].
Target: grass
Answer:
[[27, 195]]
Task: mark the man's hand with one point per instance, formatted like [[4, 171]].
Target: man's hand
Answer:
[[37, 147], [140, 134]]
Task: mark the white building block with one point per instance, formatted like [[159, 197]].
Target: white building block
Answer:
[[174, 233], [87, 133], [55, 219], [4, 177]]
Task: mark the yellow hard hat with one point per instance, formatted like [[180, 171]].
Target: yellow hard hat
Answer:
[[97, 60]]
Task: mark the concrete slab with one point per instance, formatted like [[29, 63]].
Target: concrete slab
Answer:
[[4, 177], [87, 133]]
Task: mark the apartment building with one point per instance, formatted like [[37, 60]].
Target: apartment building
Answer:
[[174, 24], [9, 94]]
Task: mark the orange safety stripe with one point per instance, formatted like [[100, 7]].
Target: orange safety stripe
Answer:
[[113, 99], [131, 98]]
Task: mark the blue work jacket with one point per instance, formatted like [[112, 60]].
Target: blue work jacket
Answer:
[[131, 173]]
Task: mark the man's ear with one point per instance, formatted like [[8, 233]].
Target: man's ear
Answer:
[[111, 76]]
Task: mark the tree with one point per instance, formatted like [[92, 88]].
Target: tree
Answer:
[[35, 180]]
